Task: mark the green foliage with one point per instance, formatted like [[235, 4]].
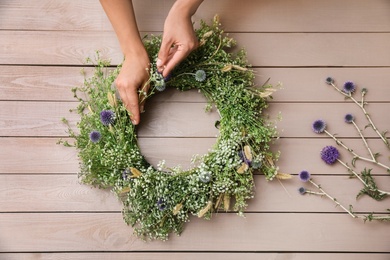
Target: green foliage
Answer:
[[159, 201], [370, 189]]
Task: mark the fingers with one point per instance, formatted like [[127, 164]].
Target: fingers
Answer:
[[130, 100]]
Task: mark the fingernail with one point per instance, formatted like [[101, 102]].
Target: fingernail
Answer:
[[158, 63], [134, 122]]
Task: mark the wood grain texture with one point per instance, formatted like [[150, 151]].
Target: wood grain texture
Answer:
[[193, 256], [277, 49], [45, 214], [63, 193], [254, 16], [41, 83], [34, 232], [169, 119], [43, 155]]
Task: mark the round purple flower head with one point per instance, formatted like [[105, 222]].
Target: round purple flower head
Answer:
[[107, 117], [95, 136], [304, 176], [302, 190], [348, 118], [319, 126], [329, 80], [330, 154], [161, 204], [349, 87]]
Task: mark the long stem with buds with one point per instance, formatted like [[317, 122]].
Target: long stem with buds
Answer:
[[353, 215], [361, 105], [355, 154]]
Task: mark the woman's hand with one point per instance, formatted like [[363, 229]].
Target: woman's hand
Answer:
[[179, 38], [134, 76]]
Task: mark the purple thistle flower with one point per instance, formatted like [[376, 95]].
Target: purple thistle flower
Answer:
[[107, 117], [304, 176], [200, 75], [95, 136], [329, 80], [161, 204], [349, 87], [330, 154], [302, 191], [349, 118], [319, 126]]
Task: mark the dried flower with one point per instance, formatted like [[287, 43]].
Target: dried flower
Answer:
[[302, 191], [329, 80], [319, 126], [330, 154], [107, 117], [200, 75], [304, 176], [349, 118], [349, 87], [161, 204]]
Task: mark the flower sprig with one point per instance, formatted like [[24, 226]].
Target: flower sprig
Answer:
[[347, 91], [306, 177]]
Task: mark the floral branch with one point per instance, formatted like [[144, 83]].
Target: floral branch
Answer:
[[306, 177], [319, 126], [348, 90]]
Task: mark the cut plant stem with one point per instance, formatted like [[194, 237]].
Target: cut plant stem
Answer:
[[364, 140], [333, 199], [361, 105], [355, 154], [358, 176]]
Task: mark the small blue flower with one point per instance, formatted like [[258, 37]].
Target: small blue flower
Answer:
[[304, 176], [200, 75], [349, 87], [329, 80], [95, 136], [107, 117], [161, 204], [349, 118], [330, 154], [302, 190], [319, 126]]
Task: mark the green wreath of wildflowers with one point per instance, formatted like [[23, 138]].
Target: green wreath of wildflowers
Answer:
[[157, 202]]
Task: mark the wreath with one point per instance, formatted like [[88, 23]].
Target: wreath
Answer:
[[159, 201]]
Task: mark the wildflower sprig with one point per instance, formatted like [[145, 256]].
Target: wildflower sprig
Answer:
[[157, 202], [331, 155], [347, 92], [321, 192]]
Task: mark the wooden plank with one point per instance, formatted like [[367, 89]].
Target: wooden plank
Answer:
[[176, 119], [277, 49], [43, 83], [194, 256], [42, 155], [256, 232], [254, 16], [56, 193]]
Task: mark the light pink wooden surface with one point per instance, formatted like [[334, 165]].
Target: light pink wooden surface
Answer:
[[46, 214]]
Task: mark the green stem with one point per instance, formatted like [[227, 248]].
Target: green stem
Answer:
[[361, 105], [364, 140], [355, 154], [360, 179], [333, 199]]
